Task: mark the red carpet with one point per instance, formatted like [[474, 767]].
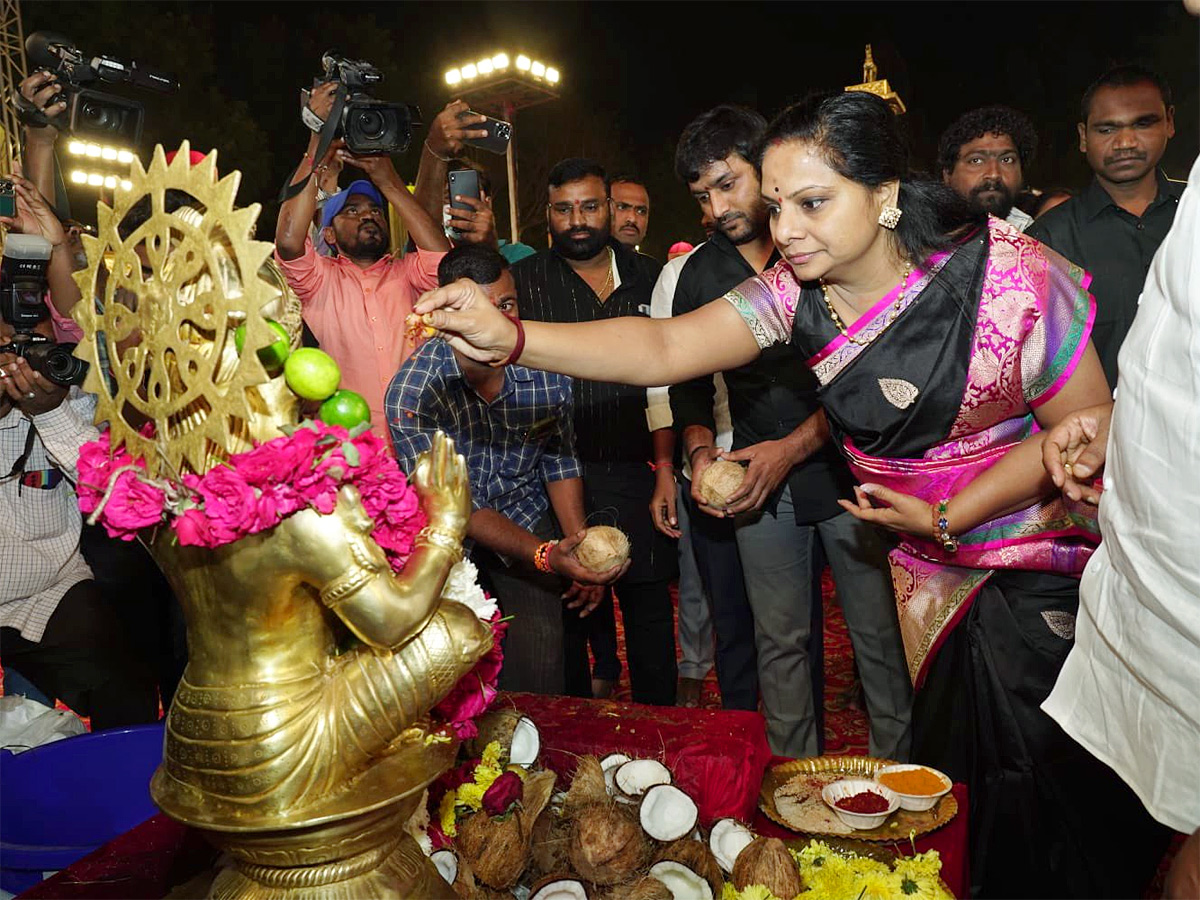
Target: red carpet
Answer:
[[845, 724]]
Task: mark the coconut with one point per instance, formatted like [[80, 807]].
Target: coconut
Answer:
[[587, 786], [514, 732], [667, 813], [766, 861], [558, 887], [495, 848], [637, 776], [610, 764], [548, 844], [698, 858], [728, 838], [682, 881], [719, 482], [446, 863], [607, 845], [602, 548], [646, 888]]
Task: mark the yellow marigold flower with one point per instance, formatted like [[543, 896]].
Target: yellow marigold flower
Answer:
[[471, 795], [446, 816], [883, 885], [491, 755]]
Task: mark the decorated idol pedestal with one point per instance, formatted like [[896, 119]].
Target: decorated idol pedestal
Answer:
[[336, 733]]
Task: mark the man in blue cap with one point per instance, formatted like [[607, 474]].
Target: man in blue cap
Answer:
[[356, 300]]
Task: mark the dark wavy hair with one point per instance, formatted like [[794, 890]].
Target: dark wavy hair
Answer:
[[988, 120], [1124, 76], [478, 262], [714, 135], [861, 139]]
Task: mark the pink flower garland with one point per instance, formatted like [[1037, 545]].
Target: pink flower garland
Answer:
[[257, 490]]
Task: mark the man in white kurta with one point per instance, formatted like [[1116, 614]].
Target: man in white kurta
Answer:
[[1130, 689]]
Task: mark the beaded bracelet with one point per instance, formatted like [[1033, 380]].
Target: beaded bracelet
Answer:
[[541, 557], [941, 527]]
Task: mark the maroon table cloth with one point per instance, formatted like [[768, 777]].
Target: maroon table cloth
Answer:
[[717, 756]]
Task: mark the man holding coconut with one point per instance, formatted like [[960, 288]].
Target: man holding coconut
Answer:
[[788, 496], [513, 426]]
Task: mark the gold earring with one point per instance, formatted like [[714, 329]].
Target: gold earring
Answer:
[[889, 217]]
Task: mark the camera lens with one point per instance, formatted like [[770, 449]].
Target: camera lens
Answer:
[[99, 116], [370, 124], [61, 366]]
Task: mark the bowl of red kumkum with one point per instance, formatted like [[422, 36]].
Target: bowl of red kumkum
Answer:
[[918, 787], [860, 803]]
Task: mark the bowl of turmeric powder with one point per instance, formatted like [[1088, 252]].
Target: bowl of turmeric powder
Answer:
[[918, 787]]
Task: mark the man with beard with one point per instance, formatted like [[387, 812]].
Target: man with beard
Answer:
[[631, 210], [356, 300], [1115, 226], [794, 477], [585, 276], [983, 157]]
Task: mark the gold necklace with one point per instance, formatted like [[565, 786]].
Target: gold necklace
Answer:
[[604, 291], [837, 320]]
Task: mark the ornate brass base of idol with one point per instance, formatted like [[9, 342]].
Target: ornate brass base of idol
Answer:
[[368, 855]]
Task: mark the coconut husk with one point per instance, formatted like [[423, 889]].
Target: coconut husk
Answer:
[[587, 787], [464, 881], [719, 482], [607, 844], [645, 888], [548, 844], [551, 879], [766, 861], [497, 849], [602, 548], [697, 857]]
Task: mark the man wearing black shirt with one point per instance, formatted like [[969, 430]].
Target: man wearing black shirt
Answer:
[[795, 475], [1115, 226], [583, 277]]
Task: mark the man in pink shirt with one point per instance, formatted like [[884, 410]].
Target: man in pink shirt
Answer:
[[356, 301]]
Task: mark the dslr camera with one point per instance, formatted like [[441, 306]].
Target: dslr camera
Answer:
[[90, 113], [369, 127], [23, 306]]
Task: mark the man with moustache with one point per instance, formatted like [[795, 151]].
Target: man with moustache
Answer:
[[356, 300], [586, 276], [983, 157], [794, 477], [631, 210], [1115, 226]]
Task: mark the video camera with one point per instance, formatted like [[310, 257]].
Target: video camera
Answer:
[[23, 306], [91, 113], [370, 127]]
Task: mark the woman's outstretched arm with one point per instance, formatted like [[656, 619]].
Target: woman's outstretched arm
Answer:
[[632, 350]]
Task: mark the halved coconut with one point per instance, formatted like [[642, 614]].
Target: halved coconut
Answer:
[[728, 838], [607, 846], [609, 766], [513, 731], [637, 776], [667, 813], [697, 857], [682, 882], [587, 786], [446, 862], [559, 889]]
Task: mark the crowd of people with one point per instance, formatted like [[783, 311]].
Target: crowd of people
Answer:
[[917, 376]]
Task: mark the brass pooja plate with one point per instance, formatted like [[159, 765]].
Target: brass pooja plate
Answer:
[[894, 828]]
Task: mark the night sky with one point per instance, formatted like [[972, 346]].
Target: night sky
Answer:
[[633, 74]]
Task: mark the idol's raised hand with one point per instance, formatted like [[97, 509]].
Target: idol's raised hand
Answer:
[[462, 314]]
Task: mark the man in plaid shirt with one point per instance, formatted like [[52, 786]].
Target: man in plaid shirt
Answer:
[[514, 427]]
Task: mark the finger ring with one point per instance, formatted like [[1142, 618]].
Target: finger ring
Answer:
[[1069, 469], [30, 395]]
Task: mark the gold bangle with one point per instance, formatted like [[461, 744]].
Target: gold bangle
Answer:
[[437, 537]]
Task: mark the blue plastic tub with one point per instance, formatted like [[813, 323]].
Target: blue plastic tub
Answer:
[[61, 801]]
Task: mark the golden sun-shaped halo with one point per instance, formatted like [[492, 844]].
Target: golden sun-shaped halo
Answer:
[[175, 392]]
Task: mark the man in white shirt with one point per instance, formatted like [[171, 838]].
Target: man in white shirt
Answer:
[[983, 157], [55, 627], [1130, 689]]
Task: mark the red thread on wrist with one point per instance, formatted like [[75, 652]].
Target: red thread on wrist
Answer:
[[517, 348]]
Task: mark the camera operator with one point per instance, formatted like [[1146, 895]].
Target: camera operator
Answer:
[[40, 89], [356, 301], [55, 626], [34, 216]]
